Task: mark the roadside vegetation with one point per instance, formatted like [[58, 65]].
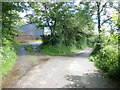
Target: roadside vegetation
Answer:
[[57, 50], [9, 48], [106, 52], [106, 56], [29, 48], [8, 56]]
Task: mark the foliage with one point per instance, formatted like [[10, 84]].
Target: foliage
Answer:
[[9, 49], [29, 48], [66, 22], [105, 55], [7, 57], [10, 18]]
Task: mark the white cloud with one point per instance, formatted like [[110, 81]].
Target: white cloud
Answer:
[[77, 2], [22, 14]]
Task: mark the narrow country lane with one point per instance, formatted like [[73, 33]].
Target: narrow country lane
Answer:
[[57, 39], [69, 71]]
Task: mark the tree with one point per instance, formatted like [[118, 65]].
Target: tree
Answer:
[[10, 18], [98, 10], [66, 22]]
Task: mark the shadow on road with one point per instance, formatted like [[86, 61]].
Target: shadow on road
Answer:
[[91, 80]]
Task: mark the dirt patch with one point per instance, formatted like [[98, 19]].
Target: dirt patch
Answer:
[[10, 79], [40, 62], [15, 73], [44, 59]]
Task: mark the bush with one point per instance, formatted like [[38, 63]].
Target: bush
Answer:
[[106, 56], [107, 60]]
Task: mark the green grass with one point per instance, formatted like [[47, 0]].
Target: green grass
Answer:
[[7, 57], [29, 48], [56, 50]]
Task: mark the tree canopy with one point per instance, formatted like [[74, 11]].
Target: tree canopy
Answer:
[[66, 22]]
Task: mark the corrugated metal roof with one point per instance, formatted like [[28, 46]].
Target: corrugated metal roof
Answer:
[[31, 29]]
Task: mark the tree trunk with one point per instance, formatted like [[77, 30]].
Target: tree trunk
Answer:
[[98, 16]]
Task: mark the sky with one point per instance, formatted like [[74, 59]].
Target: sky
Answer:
[[77, 2], [22, 14]]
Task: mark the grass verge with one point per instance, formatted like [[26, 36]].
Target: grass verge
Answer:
[[8, 56], [57, 50]]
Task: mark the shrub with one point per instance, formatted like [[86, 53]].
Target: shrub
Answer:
[[107, 60], [106, 56]]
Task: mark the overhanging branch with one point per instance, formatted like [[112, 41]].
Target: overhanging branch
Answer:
[[106, 20], [103, 7]]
